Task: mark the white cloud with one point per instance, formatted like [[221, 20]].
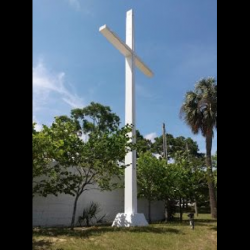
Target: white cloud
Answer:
[[46, 83], [75, 4], [85, 137], [151, 136], [157, 155], [85, 7], [38, 126], [143, 91]]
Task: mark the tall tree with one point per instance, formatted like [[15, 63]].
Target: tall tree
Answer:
[[199, 111], [157, 146], [150, 175], [106, 147], [175, 147], [81, 165], [176, 144], [189, 178]]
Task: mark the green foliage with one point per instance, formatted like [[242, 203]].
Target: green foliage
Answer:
[[55, 151], [64, 163], [96, 117], [76, 162], [150, 175], [176, 144], [184, 178], [150, 178], [188, 176], [157, 146], [142, 145], [214, 165], [200, 107]]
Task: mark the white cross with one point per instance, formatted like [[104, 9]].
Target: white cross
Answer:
[[130, 217]]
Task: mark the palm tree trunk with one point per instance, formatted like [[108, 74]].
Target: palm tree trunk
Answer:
[[212, 197]]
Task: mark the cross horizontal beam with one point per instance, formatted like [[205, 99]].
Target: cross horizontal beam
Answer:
[[125, 49]]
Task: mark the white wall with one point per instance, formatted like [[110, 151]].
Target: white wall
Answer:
[[57, 211], [157, 209]]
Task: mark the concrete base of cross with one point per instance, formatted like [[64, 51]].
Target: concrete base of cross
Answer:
[[129, 220]]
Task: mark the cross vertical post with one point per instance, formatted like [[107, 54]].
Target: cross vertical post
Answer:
[[130, 201], [130, 217]]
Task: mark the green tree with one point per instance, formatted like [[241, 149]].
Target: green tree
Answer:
[[40, 161], [176, 147], [150, 175], [96, 117], [81, 165], [176, 144], [45, 150], [189, 178], [55, 151], [200, 114], [157, 146], [142, 144]]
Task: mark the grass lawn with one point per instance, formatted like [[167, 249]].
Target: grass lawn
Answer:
[[175, 235]]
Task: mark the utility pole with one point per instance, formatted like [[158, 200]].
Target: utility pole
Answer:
[[165, 152]]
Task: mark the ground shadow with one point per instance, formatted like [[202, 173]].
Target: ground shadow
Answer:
[[205, 220], [156, 230], [201, 222], [95, 231], [41, 245], [214, 228]]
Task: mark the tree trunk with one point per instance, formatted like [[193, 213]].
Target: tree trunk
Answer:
[[149, 211], [196, 208], [74, 212], [167, 208], [212, 197], [180, 210]]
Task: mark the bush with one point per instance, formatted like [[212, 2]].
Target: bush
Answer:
[[89, 215]]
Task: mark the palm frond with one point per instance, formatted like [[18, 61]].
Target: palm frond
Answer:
[[199, 109]]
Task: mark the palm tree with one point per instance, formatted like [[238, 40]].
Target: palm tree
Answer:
[[200, 113]]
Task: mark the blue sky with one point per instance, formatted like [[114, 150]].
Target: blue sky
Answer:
[[73, 64]]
